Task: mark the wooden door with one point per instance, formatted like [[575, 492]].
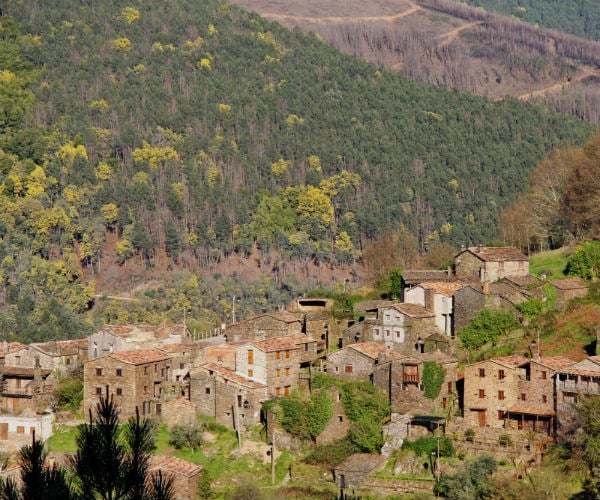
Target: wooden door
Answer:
[[4, 431], [481, 418]]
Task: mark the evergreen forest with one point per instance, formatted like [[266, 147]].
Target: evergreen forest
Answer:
[[195, 130], [577, 17]]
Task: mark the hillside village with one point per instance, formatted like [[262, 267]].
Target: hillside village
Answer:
[[512, 406]]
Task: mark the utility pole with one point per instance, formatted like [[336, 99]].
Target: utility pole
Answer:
[[273, 459]]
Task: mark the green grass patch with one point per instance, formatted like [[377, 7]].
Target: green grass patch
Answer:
[[552, 263], [63, 440]]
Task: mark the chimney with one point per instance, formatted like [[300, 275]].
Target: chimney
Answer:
[[37, 370], [480, 249], [429, 303], [486, 287]]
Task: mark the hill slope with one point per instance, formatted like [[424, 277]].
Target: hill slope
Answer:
[[192, 130], [446, 43]]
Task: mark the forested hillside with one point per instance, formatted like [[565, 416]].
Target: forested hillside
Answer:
[[578, 17], [199, 130]]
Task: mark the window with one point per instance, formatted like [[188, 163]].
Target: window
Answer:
[[250, 356], [68, 361], [387, 333], [207, 390], [278, 372], [482, 393], [119, 391], [98, 391], [239, 401], [397, 335], [250, 373], [98, 372], [288, 371], [278, 391], [155, 368], [145, 370], [286, 389], [145, 389], [482, 372], [501, 395], [162, 372], [523, 396], [278, 355], [119, 372], [544, 398], [20, 429], [305, 347], [544, 375], [348, 368], [287, 354], [376, 332], [500, 374], [340, 418], [181, 366], [500, 414], [337, 369]]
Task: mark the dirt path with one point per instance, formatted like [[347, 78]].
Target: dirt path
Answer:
[[272, 16], [586, 73], [450, 36]]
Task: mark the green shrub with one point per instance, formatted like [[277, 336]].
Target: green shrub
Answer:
[[332, 454], [425, 446], [433, 378]]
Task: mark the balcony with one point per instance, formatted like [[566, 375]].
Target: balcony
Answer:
[[581, 387], [410, 379]]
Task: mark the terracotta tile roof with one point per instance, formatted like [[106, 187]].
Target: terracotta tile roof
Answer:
[[175, 465], [231, 375], [496, 254], [554, 362], [22, 371], [513, 361], [276, 344], [12, 347], [569, 284], [370, 349], [530, 410], [415, 276], [447, 288], [139, 356], [175, 348], [301, 338], [413, 310], [59, 348]]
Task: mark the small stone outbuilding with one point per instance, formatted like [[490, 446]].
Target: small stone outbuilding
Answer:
[[354, 472]]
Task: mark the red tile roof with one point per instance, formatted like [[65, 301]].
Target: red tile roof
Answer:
[[12, 347], [528, 410], [413, 310], [447, 288], [139, 356], [231, 375], [371, 349], [554, 362], [496, 254], [277, 344]]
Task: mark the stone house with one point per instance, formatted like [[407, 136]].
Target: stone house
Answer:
[[266, 326], [222, 355], [401, 378], [179, 411], [58, 356], [274, 362], [185, 475], [8, 347], [357, 361], [354, 472], [573, 381], [134, 379], [471, 299], [438, 298], [568, 289], [399, 326], [226, 395], [24, 389], [114, 338], [414, 277], [513, 392], [18, 430], [491, 388], [490, 263]]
